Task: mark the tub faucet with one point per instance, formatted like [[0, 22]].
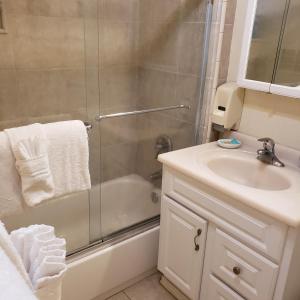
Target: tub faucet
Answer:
[[267, 154]]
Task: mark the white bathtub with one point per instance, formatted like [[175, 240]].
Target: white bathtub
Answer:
[[126, 201]]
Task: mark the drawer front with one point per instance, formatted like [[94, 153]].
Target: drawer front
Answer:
[[217, 290], [250, 226], [247, 272]]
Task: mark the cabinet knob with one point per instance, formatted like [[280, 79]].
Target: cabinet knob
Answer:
[[236, 270]]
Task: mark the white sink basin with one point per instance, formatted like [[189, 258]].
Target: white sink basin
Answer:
[[243, 168]]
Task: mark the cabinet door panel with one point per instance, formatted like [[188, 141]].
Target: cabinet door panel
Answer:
[[179, 260], [217, 290]]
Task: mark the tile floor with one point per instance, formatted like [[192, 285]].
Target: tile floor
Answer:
[[147, 289]]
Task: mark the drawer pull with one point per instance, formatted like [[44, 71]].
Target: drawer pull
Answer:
[[236, 270], [197, 247]]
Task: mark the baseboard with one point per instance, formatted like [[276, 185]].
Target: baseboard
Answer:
[[172, 289]]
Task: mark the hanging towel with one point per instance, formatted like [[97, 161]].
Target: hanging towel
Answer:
[[68, 153], [10, 185], [29, 145], [66, 144], [43, 255]]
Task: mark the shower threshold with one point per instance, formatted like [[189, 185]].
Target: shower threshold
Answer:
[[114, 238]]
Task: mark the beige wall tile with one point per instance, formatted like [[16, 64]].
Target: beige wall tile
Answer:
[[193, 10], [159, 45], [119, 10], [9, 104], [191, 42], [157, 88], [118, 88], [43, 42], [52, 92], [49, 8], [116, 43]]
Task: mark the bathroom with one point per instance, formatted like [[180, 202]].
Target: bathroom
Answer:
[[135, 90]]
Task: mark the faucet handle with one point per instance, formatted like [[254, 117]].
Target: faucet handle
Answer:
[[268, 143]]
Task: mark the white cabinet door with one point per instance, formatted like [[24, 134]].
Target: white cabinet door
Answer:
[[181, 248]]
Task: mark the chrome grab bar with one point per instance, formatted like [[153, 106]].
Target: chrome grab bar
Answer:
[[140, 112]]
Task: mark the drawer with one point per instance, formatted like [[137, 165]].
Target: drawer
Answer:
[[217, 290], [253, 228], [247, 272]]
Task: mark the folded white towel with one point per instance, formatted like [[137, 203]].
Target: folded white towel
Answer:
[[8, 247], [29, 145], [12, 284], [10, 185], [43, 255]]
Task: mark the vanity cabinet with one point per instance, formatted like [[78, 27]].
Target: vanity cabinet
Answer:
[[270, 53], [242, 253]]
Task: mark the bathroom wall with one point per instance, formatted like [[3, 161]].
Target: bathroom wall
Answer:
[[170, 56], [118, 85], [264, 114]]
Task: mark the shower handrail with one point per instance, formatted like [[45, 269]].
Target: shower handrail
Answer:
[[139, 112]]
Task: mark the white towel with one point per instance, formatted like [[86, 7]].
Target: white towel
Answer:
[[12, 284], [68, 156], [29, 145], [43, 255], [68, 153], [10, 185], [8, 247]]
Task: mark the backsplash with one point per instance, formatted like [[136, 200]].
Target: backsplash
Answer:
[[270, 115]]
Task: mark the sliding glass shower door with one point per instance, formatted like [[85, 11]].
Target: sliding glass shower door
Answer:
[[150, 59]]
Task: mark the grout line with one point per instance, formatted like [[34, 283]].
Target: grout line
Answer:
[[126, 295]]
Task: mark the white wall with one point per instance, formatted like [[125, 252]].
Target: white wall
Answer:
[[264, 114]]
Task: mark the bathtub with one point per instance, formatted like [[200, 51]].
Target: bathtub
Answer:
[[126, 201], [123, 259]]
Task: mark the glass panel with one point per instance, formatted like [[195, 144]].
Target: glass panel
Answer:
[[265, 39], [150, 57], [288, 69], [49, 73]]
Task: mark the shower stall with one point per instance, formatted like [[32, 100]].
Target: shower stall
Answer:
[[134, 71]]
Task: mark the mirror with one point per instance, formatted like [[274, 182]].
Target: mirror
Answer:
[[274, 55], [267, 27], [287, 70]]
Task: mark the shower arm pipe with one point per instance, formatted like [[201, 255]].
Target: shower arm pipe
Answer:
[[141, 112]]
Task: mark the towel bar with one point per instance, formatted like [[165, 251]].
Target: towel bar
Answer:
[[139, 112]]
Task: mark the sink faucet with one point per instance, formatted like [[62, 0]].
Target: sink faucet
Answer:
[[267, 154]]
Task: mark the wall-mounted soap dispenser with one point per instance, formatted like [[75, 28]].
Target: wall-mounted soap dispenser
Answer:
[[228, 106]]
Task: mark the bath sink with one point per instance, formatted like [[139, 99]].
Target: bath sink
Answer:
[[244, 169]]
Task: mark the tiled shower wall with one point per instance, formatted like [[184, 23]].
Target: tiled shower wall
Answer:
[[150, 56], [170, 44], [66, 59]]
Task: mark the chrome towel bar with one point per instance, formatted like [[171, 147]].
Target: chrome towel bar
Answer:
[[140, 112]]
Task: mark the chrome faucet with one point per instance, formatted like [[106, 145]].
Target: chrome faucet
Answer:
[[267, 154]]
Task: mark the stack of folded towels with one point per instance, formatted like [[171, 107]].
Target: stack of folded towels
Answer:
[[38, 163], [32, 263]]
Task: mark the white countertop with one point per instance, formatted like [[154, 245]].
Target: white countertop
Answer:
[[283, 205]]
